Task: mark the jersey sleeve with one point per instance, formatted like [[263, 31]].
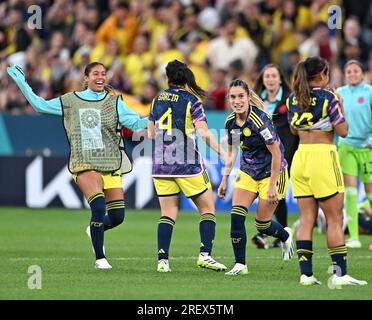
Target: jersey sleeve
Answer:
[[151, 115], [197, 112], [334, 111], [130, 119], [267, 131], [53, 106]]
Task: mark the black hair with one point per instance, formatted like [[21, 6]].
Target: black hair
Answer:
[[179, 74], [306, 71]]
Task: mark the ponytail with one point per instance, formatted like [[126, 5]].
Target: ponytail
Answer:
[[256, 100], [178, 73], [306, 71], [301, 86], [191, 83]]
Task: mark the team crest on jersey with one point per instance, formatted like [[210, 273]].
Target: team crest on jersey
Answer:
[[247, 132], [361, 100]]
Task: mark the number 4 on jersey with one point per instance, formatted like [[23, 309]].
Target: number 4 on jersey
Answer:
[[166, 117]]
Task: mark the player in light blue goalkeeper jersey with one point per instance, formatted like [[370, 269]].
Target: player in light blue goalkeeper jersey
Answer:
[[91, 118], [355, 150]]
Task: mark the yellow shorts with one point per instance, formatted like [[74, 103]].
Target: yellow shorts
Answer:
[[190, 186], [111, 180], [246, 182], [316, 171]]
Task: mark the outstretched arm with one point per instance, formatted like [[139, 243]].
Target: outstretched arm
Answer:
[[41, 105], [130, 119]]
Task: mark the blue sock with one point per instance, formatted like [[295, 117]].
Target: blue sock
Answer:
[[272, 228], [165, 228], [97, 205], [338, 256], [207, 228], [115, 214], [305, 256], [238, 233]]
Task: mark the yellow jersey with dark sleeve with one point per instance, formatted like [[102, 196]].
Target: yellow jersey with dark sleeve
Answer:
[[323, 112]]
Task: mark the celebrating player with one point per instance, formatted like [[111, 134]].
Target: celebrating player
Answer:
[[314, 113], [91, 120], [355, 150], [262, 172], [176, 114]]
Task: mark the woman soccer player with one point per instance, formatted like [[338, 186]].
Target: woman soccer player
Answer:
[[176, 114], [274, 90], [262, 172], [314, 113], [355, 150], [91, 119]]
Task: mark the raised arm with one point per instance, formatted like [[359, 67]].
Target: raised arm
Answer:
[[41, 105], [130, 119]]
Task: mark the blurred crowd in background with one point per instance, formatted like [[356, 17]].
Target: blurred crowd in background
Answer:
[[220, 40]]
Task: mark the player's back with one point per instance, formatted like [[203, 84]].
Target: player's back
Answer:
[[320, 113], [174, 112]]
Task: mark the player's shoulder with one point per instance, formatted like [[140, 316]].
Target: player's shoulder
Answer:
[[258, 116], [230, 120], [342, 89], [326, 93]]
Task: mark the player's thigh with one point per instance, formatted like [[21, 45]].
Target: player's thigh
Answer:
[[194, 186], [348, 160], [243, 197], [205, 202], [298, 172], [113, 186], [281, 186], [89, 182], [364, 158], [166, 187], [326, 178]]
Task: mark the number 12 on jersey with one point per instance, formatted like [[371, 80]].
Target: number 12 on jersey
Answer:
[[165, 121]]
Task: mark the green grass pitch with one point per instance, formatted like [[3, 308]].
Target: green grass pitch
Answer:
[[55, 240]]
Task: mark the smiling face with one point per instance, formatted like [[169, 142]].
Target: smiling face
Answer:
[[96, 78], [238, 99], [353, 74], [271, 79]]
